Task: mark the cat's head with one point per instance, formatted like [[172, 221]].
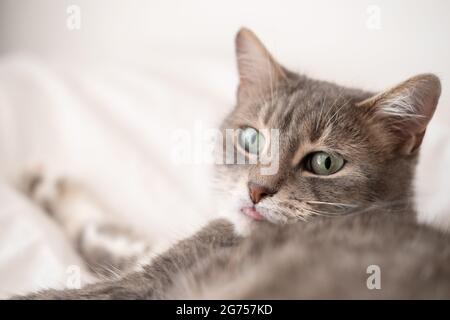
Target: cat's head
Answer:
[[337, 150]]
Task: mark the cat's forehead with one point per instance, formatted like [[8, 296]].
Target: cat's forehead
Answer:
[[305, 111], [323, 117]]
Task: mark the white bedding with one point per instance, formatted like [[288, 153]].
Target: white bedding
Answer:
[[110, 127]]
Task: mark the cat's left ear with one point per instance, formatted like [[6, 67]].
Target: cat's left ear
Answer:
[[405, 110], [259, 73]]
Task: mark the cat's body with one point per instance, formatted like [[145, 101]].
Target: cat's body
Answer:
[[325, 258], [337, 208]]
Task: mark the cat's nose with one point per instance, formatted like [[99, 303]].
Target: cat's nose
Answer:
[[258, 192]]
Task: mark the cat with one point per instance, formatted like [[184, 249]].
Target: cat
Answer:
[[339, 205]]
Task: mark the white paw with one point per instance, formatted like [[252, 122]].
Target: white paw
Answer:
[[66, 201], [49, 190]]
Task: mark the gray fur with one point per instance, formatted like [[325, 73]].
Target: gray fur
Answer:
[[324, 258]]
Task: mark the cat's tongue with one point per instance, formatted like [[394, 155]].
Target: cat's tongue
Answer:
[[252, 213]]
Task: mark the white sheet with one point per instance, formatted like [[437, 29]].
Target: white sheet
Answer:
[[110, 127]]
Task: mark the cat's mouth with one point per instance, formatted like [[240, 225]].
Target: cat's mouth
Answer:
[[252, 213]]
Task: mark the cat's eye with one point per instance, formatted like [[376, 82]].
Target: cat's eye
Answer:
[[324, 164], [251, 140]]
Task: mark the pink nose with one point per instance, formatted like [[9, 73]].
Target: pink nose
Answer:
[[258, 192]]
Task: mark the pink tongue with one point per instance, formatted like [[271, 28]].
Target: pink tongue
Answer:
[[253, 213]]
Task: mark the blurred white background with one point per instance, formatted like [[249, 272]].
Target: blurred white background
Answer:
[[336, 40], [100, 103]]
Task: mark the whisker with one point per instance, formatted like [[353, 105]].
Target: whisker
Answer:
[[337, 204]]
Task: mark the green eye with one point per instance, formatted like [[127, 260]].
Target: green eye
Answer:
[[324, 164], [251, 140]]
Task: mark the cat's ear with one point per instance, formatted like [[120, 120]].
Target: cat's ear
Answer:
[[259, 73], [406, 109]]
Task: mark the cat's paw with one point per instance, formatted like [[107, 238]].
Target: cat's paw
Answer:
[[48, 190], [108, 246], [67, 201]]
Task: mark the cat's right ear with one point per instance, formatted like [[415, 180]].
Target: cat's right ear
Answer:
[[406, 109], [259, 73]]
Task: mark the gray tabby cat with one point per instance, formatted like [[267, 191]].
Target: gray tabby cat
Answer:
[[340, 203]]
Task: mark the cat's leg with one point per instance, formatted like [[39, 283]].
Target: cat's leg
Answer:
[[109, 248], [158, 277]]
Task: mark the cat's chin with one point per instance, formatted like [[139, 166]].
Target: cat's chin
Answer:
[[243, 224], [244, 215], [245, 220]]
